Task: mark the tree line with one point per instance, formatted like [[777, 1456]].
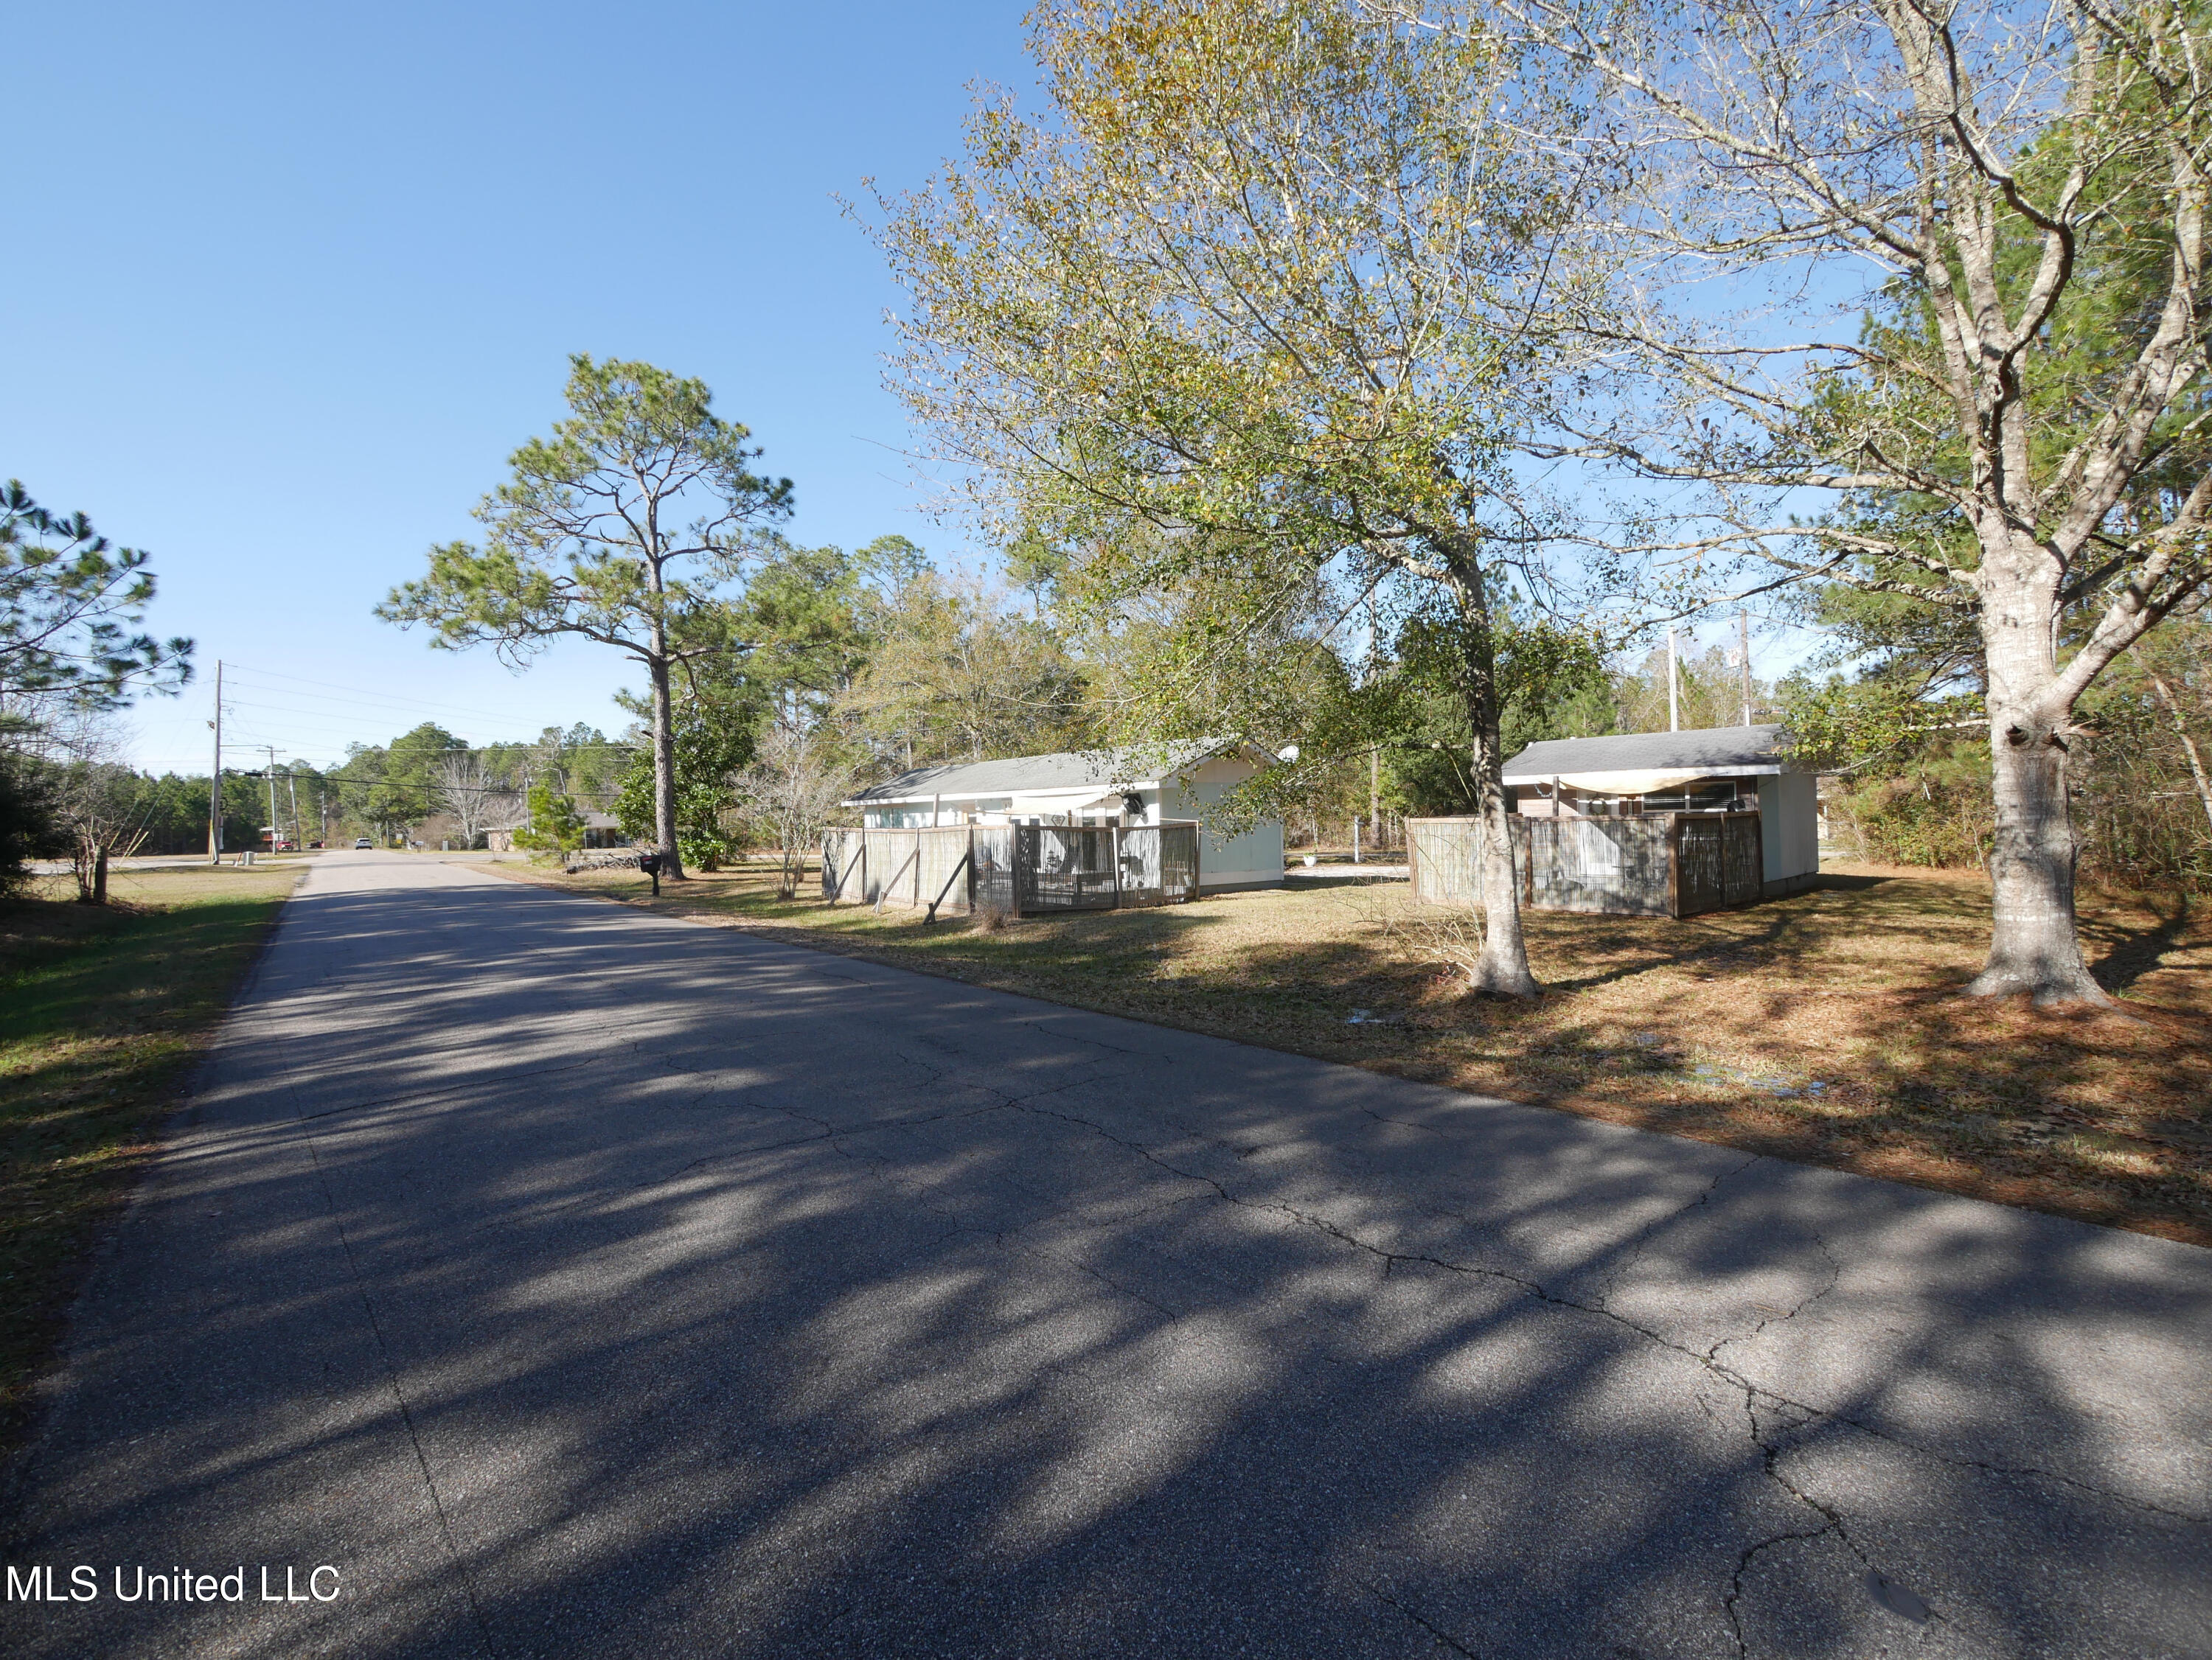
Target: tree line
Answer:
[[1372, 381]]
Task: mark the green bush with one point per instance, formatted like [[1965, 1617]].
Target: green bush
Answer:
[[555, 825], [27, 826], [1938, 815]]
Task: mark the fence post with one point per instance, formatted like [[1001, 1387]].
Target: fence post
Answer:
[[1114, 848], [1674, 865], [947, 888]]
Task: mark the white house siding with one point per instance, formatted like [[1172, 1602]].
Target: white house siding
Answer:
[[1790, 823], [1254, 859]]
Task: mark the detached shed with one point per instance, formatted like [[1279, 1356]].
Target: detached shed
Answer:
[[1641, 823], [1718, 769]]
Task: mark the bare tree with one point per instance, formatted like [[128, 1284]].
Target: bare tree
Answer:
[[96, 797], [797, 780], [506, 809], [468, 791], [1973, 236]]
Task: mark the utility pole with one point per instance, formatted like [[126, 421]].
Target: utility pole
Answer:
[[273, 837], [1743, 636], [215, 777], [1674, 686], [292, 789]]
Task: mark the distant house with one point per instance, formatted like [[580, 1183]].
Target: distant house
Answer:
[[1716, 770], [1097, 787], [600, 830], [603, 830]]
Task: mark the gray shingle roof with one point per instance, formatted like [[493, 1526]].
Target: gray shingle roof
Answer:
[[1658, 752], [1075, 769]]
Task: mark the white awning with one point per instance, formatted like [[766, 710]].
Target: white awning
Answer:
[[1637, 783]]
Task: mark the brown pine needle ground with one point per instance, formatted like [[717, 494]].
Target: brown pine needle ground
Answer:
[[1824, 1027]]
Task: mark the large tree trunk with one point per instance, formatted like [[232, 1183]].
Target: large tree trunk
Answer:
[[1502, 968], [2034, 947], [663, 771]]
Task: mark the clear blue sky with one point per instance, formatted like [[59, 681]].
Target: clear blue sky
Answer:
[[290, 281]]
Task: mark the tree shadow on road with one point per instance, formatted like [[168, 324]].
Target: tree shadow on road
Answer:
[[735, 1299]]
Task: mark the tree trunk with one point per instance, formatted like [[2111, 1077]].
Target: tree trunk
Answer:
[[664, 771], [2033, 945], [1502, 967]]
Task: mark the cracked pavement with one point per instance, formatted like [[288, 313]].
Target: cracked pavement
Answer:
[[582, 1281]]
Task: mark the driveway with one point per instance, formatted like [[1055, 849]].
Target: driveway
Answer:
[[575, 1281]]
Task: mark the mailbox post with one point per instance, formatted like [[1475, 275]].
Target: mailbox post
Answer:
[[650, 863]]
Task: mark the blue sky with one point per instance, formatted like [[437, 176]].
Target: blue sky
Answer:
[[292, 282], [289, 283]]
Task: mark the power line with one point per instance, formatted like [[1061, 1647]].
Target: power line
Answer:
[[384, 697]]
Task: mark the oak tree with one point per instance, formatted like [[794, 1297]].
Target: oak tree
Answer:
[[1965, 244], [1244, 303]]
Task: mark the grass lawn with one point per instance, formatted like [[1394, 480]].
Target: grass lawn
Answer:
[[1822, 1027], [101, 1013]]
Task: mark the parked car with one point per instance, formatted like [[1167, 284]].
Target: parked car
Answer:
[[360, 843]]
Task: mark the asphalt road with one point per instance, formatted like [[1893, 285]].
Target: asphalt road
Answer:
[[578, 1282]]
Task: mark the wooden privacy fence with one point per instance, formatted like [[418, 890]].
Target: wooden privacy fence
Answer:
[[1661, 865], [1022, 870]]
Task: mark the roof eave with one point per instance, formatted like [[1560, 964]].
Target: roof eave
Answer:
[[1071, 789], [1760, 770]]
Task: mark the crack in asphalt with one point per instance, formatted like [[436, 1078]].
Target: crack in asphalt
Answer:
[[1641, 1240], [1734, 1379], [1743, 1566], [1835, 1278], [1418, 1618], [1768, 1417]]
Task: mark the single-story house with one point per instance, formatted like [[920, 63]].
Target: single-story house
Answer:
[[603, 830], [600, 830], [1094, 786], [1719, 769]]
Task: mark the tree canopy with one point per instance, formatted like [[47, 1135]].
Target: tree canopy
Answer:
[[625, 527], [69, 603], [1244, 311]]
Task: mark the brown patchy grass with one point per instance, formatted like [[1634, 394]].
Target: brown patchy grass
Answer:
[[1824, 1027], [102, 1013]]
